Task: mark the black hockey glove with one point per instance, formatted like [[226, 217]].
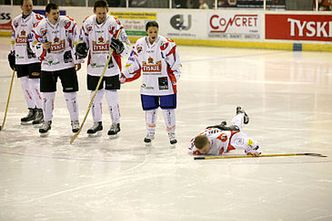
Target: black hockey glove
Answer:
[[11, 59], [30, 52], [117, 46], [81, 50]]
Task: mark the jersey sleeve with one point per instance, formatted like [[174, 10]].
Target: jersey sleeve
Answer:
[[133, 68], [14, 25], [37, 39], [171, 55], [73, 31]]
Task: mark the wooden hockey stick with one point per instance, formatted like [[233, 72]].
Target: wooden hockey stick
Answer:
[[8, 100], [262, 155], [73, 138]]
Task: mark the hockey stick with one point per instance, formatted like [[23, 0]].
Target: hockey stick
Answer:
[[262, 155], [73, 138], [8, 99]]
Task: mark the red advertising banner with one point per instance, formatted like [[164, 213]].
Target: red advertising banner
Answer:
[[298, 27]]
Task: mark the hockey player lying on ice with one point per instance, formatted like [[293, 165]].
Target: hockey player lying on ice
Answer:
[[219, 139]]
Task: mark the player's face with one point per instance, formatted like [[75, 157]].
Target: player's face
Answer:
[[205, 149], [152, 33], [101, 14], [53, 16], [27, 7]]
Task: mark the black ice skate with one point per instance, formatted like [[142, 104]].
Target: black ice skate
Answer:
[[239, 110], [114, 130], [148, 139], [172, 139], [95, 129], [75, 126], [44, 129], [29, 118], [39, 118]]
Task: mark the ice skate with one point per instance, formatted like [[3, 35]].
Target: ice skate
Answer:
[[29, 118], [148, 139], [39, 117], [45, 128], [172, 139], [239, 110], [75, 126], [95, 130], [114, 130]]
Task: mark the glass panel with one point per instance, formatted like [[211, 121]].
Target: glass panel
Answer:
[[35, 2], [300, 5], [275, 4], [249, 3], [111, 3], [69, 2], [149, 3], [5, 2], [325, 5]]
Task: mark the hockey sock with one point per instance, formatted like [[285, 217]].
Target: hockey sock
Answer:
[[238, 120], [48, 105], [35, 91], [150, 120], [113, 104], [27, 92], [96, 109], [169, 118], [72, 105]]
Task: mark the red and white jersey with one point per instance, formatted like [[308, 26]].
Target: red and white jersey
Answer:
[[98, 38], [21, 34], [158, 63], [63, 35], [220, 141]]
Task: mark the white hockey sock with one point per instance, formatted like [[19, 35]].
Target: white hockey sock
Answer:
[[113, 104], [169, 118], [238, 120], [96, 109], [35, 91], [28, 96], [72, 105], [150, 120], [48, 105]]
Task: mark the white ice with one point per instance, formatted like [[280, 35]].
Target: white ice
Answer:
[[288, 96]]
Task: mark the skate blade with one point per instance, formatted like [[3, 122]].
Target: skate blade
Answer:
[[97, 134], [44, 134], [26, 123], [113, 136], [172, 146], [148, 144], [37, 125]]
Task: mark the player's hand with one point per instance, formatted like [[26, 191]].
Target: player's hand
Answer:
[[122, 79], [78, 67]]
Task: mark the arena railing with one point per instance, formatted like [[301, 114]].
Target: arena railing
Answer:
[[299, 5]]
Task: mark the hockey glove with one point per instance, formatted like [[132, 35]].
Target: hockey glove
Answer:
[[117, 46], [11, 59], [81, 50], [30, 52]]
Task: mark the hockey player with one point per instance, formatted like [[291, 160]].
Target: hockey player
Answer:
[[53, 42], [24, 61], [156, 58], [100, 32], [219, 139]]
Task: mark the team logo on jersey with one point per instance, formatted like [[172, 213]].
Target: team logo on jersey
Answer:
[[150, 66], [22, 38], [103, 46], [57, 45]]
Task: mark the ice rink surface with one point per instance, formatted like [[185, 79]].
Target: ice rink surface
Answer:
[[288, 96]]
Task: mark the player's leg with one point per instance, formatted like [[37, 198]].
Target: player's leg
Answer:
[[112, 85], [34, 81], [168, 105], [23, 74], [70, 87], [150, 105], [96, 109], [48, 89]]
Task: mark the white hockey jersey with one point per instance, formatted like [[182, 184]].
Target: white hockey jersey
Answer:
[[158, 63], [98, 38], [21, 35], [63, 36], [224, 141]]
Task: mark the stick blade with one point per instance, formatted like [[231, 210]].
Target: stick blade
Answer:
[[314, 154]]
